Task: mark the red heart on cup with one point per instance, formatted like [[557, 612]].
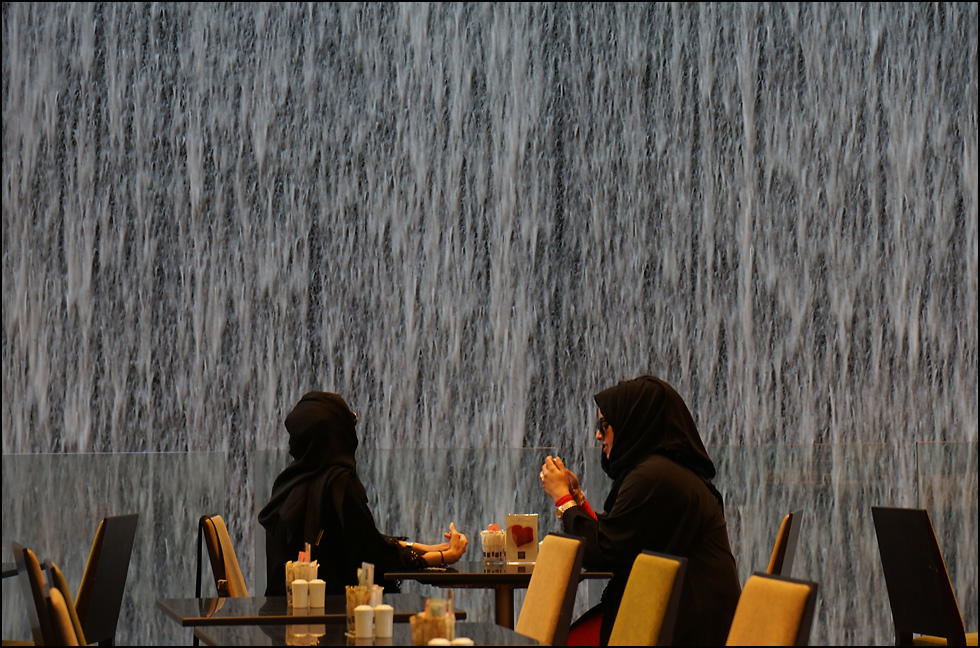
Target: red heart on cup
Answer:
[[522, 534]]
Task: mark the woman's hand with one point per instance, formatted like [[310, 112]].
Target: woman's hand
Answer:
[[456, 546], [445, 552], [573, 485], [554, 480]]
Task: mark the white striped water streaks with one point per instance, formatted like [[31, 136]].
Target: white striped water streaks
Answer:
[[469, 218]]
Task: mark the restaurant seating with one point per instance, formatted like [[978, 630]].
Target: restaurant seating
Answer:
[[61, 621], [57, 581], [923, 604], [546, 613], [32, 585], [228, 579], [784, 550], [773, 611], [650, 601]]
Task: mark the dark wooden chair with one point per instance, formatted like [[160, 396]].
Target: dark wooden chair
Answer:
[[103, 583], [924, 607]]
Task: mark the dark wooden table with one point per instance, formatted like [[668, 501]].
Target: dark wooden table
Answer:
[[502, 578]]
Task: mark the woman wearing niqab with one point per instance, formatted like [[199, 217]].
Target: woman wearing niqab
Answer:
[[662, 499], [319, 499]]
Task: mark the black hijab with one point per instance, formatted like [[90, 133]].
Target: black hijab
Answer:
[[322, 443], [648, 417]]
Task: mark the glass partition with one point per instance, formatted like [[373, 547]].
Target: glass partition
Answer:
[[53, 503]]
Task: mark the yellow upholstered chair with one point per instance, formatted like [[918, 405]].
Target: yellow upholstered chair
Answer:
[[546, 613], [924, 607], [228, 579], [784, 550], [58, 582], [61, 620], [773, 611], [652, 596]]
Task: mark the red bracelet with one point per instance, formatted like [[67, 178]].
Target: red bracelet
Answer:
[[563, 499]]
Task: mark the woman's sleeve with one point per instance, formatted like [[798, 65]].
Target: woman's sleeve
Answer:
[[366, 543], [650, 513]]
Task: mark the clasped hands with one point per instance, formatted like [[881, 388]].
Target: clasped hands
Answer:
[[558, 481]]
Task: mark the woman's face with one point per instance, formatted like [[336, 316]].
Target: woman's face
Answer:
[[604, 434]]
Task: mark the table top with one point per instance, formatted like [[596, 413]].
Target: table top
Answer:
[[476, 573], [482, 634], [272, 610]]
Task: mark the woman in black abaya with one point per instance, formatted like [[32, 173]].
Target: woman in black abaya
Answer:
[[662, 499], [319, 499]]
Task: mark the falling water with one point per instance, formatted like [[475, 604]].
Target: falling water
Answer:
[[468, 218]]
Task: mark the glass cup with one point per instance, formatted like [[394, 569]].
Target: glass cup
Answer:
[[494, 546]]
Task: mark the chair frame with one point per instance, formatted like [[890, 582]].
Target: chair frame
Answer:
[[784, 549], [216, 554], [920, 593]]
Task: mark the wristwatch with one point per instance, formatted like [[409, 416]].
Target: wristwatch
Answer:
[[409, 545], [564, 507]]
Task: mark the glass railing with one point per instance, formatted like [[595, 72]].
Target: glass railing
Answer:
[[52, 503]]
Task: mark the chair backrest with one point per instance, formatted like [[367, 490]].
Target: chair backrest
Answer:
[[103, 583], [32, 584], [773, 611], [57, 581], [648, 611], [228, 579], [919, 590], [61, 621], [784, 550], [546, 613]]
